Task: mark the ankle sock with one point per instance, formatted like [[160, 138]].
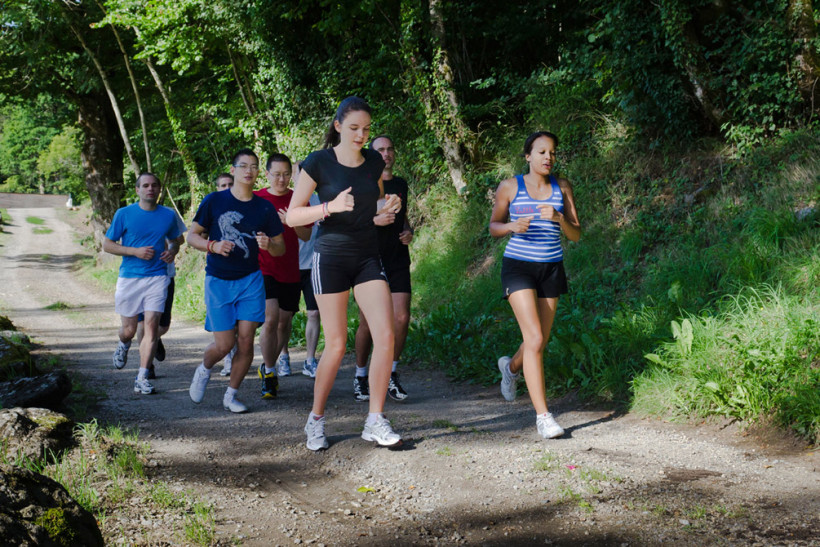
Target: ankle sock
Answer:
[[202, 368], [269, 370], [313, 416], [361, 372], [395, 364], [142, 374], [373, 417], [230, 394]]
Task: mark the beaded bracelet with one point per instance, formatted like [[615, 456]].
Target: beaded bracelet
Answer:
[[210, 246]]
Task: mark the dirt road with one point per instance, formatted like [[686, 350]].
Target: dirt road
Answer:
[[472, 469]]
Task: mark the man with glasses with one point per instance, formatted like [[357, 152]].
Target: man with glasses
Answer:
[[239, 225], [282, 280]]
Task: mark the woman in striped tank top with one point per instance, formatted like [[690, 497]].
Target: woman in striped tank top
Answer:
[[535, 208]]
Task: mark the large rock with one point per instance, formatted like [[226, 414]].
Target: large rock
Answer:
[[35, 432], [15, 359], [6, 324], [45, 391], [35, 510]]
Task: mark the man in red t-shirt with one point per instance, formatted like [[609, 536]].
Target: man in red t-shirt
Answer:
[[282, 280]]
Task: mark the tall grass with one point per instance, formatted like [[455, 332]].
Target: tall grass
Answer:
[[759, 356]]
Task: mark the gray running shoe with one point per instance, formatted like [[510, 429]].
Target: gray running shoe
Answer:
[[508, 379], [547, 426], [309, 369], [198, 385], [315, 431], [121, 355], [381, 432], [143, 386], [283, 365]]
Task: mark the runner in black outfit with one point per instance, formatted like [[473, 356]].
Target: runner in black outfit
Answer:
[[348, 181], [395, 235]]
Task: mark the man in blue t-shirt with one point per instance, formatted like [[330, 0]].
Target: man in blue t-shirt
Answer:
[[238, 224], [147, 234]]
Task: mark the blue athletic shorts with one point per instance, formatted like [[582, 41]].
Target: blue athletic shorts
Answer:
[[230, 300]]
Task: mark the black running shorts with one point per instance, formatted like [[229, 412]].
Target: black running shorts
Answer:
[[334, 274], [398, 278], [307, 290], [286, 293], [546, 278]]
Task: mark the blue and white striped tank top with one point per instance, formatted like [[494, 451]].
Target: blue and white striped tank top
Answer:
[[541, 242]]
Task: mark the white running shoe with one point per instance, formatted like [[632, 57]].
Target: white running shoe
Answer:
[[381, 432], [508, 379], [143, 386], [226, 364], [198, 385], [548, 427], [233, 405], [309, 368], [315, 431], [121, 355]]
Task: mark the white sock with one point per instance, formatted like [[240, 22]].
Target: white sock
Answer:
[[142, 374], [395, 364], [361, 372], [373, 417], [202, 368], [230, 394], [270, 370], [315, 416]]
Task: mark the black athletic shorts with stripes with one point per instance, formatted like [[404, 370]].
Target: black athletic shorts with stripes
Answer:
[[334, 274]]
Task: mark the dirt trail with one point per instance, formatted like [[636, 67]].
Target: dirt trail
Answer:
[[472, 469]]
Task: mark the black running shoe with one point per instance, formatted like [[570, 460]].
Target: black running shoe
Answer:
[[270, 383], [360, 389], [152, 373], [394, 388], [160, 354]]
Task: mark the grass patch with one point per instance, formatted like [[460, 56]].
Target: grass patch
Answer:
[[445, 451], [58, 306], [35, 220], [757, 357], [106, 474], [445, 424], [42, 230]]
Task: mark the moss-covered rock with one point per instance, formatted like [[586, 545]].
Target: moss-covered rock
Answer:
[[35, 510], [15, 360], [34, 432], [6, 324]]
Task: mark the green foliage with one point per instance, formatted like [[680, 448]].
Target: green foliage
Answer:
[[60, 164]]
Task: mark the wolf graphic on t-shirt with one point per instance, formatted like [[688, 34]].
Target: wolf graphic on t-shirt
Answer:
[[230, 233]]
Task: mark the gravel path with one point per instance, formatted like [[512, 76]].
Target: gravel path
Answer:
[[472, 469]]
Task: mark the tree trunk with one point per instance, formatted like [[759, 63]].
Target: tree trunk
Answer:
[[137, 99], [432, 83], [196, 188], [800, 15], [682, 39], [102, 160], [112, 98]]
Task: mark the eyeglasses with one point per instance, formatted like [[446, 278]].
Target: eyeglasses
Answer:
[[246, 167]]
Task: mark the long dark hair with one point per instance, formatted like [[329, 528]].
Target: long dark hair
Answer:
[[350, 104]]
